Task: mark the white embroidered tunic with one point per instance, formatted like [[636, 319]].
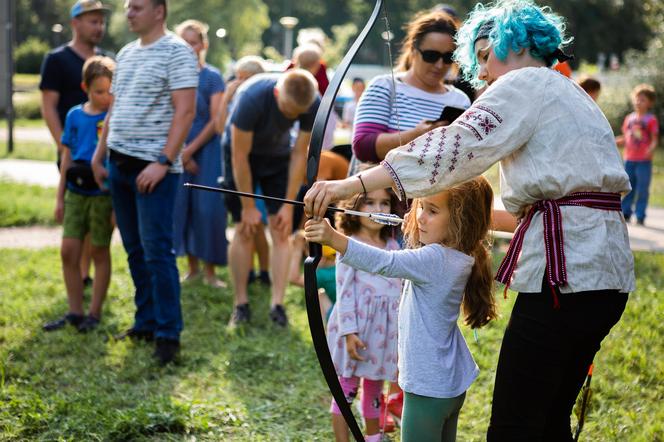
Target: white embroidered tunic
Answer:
[[551, 140]]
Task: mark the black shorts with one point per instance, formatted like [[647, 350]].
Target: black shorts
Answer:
[[273, 184]]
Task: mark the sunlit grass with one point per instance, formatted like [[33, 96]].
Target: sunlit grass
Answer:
[[258, 383]]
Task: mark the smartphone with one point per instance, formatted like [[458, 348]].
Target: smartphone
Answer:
[[450, 113]]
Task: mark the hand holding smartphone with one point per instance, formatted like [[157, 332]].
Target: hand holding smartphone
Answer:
[[449, 114]]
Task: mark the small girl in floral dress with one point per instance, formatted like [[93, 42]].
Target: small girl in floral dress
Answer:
[[362, 330]]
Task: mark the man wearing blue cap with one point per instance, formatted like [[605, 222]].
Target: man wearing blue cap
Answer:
[[61, 77], [61, 70]]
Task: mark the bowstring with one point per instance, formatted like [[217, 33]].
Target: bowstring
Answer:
[[393, 89], [394, 102]]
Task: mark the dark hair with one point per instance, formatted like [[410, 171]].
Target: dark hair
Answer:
[[589, 84], [469, 205], [358, 80], [351, 224], [96, 67], [418, 28], [157, 3]]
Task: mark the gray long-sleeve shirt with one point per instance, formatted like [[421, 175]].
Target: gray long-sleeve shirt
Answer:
[[434, 359]]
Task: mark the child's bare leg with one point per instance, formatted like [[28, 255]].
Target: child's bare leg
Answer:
[[298, 244], [70, 252], [341, 433], [86, 256], [101, 256]]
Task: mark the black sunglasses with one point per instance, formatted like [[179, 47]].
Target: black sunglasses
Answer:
[[431, 56]]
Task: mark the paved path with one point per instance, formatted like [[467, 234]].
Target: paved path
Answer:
[[28, 134], [44, 173]]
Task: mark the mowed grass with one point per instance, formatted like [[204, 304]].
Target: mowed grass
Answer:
[[260, 383], [26, 205]]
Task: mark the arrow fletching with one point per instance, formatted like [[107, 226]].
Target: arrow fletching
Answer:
[[386, 219]]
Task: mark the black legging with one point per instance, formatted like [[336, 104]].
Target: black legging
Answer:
[[544, 359]]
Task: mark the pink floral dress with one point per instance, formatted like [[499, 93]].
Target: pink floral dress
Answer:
[[367, 304]]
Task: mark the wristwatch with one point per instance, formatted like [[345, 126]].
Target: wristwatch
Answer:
[[163, 160]]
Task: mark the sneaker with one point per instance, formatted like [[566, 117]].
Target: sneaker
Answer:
[[166, 350], [278, 315], [135, 335], [264, 278], [87, 282], [640, 222], [395, 407], [88, 324], [241, 315], [251, 278], [69, 318], [385, 420]]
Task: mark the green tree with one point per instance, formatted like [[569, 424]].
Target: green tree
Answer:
[[244, 22]]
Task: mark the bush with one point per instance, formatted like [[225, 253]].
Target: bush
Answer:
[[639, 67], [29, 55], [614, 99]]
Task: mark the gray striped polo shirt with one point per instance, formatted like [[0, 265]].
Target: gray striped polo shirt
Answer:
[[143, 81]]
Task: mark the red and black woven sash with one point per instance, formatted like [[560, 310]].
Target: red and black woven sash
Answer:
[[556, 271]]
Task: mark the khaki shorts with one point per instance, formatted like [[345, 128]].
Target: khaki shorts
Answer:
[[91, 214]]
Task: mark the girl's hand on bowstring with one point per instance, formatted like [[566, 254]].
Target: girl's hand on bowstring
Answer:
[[353, 345]]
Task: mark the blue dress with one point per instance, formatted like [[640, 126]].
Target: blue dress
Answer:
[[200, 216]]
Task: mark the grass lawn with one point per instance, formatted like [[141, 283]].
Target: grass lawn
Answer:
[[29, 150], [260, 384], [26, 205], [657, 186]]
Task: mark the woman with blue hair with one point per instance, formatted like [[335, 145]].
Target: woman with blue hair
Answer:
[[561, 176]]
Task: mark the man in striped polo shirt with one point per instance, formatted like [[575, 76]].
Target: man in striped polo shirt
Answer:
[[154, 105]]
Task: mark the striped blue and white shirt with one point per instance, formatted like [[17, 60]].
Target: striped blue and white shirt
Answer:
[[143, 81], [381, 110]]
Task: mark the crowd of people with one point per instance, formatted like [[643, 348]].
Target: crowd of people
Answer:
[[131, 129]]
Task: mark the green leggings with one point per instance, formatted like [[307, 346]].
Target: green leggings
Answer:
[[430, 419]]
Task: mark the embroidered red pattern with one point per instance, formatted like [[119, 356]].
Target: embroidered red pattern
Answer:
[[439, 156], [487, 125], [481, 121], [427, 144], [490, 111], [472, 128]]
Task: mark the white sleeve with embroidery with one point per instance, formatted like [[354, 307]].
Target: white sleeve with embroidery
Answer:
[[499, 123]]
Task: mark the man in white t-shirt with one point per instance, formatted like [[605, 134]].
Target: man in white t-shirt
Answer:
[[154, 90]]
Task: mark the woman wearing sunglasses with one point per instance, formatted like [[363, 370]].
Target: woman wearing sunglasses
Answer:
[[391, 114], [561, 173]]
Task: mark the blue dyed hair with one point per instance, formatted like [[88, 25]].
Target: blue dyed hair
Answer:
[[517, 24]]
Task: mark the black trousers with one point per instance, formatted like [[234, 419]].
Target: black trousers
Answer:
[[544, 359]]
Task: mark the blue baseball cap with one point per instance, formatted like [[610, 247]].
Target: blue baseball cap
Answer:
[[83, 6]]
